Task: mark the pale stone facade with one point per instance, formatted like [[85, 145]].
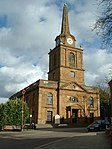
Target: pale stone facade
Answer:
[[65, 92]]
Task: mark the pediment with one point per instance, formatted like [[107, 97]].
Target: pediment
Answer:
[[72, 86]]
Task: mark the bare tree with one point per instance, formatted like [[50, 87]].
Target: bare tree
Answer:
[[103, 25]]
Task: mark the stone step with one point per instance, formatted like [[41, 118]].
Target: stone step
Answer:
[[44, 126]]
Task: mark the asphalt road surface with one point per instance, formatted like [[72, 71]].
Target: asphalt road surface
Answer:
[[58, 138]]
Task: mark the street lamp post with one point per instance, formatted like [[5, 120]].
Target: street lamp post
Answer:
[[23, 95]]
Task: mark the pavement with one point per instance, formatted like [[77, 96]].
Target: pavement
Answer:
[[49, 132], [63, 138]]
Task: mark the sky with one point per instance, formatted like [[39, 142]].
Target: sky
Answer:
[[28, 29]]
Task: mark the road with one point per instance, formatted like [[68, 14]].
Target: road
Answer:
[[55, 138]]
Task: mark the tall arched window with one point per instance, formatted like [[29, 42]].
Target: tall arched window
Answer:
[[91, 102], [72, 59], [54, 59], [49, 98]]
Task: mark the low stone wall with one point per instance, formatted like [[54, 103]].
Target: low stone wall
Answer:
[[11, 128]]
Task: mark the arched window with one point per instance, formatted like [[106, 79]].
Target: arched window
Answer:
[[91, 102], [49, 98], [72, 59], [54, 59]]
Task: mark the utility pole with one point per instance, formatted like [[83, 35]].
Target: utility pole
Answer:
[[23, 95]]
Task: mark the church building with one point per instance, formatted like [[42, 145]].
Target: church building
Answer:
[[65, 92]]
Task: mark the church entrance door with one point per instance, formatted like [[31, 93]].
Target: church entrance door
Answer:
[[74, 115]]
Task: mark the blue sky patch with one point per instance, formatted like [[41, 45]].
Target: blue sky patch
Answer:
[[42, 19], [3, 21]]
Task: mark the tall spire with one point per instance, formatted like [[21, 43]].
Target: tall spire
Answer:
[[65, 24]]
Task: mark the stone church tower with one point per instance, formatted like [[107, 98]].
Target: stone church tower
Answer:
[[66, 60], [64, 93]]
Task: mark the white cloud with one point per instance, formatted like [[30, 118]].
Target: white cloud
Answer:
[[98, 65], [3, 100], [83, 19]]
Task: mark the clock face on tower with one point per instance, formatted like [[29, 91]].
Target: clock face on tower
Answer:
[[69, 40]]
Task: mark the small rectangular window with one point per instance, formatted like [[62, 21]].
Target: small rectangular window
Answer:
[[72, 74], [49, 116]]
